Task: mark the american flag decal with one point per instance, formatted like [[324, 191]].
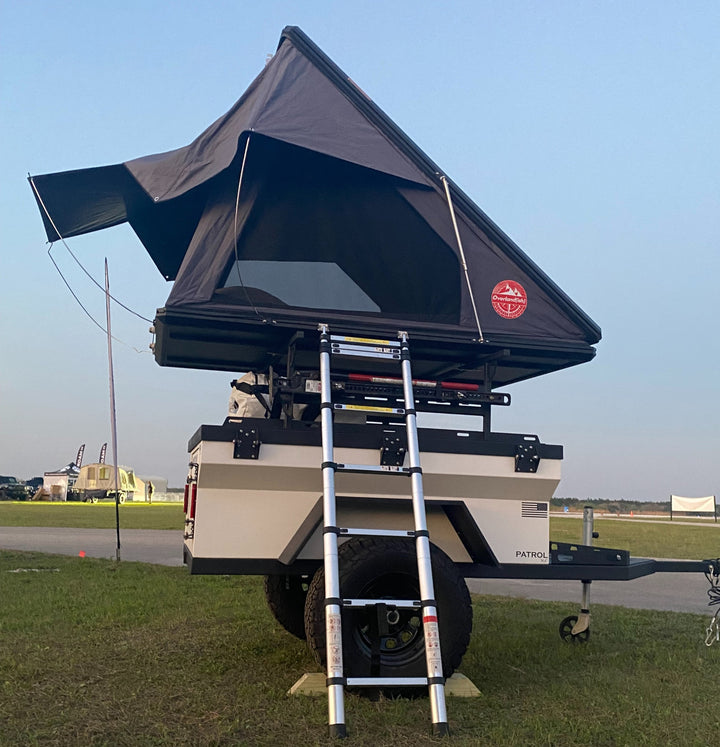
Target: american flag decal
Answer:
[[533, 510]]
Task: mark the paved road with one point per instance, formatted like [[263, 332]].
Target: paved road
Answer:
[[145, 545], [679, 592]]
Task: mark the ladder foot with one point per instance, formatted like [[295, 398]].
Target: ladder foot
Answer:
[[338, 731], [441, 729]]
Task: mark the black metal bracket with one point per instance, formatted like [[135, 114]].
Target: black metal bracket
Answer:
[[246, 444], [564, 553], [527, 458], [392, 451]]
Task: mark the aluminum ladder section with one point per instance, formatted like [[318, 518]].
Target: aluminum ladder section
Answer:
[[336, 680]]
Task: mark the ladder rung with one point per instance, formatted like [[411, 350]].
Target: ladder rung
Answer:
[[358, 351], [365, 341], [371, 408], [400, 603], [387, 681], [347, 532], [382, 468]]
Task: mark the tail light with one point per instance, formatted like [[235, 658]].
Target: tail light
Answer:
[[185, 498], [193, 499]]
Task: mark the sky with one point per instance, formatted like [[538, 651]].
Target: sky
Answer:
[[588, 131]]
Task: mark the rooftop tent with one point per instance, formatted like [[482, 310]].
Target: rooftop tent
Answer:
[[306, 204]]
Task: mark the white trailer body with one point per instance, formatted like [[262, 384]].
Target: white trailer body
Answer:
[[254, 495]]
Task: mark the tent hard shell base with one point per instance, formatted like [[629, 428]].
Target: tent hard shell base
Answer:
[[232, 342]]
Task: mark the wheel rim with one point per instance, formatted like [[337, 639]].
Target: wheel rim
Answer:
[[405, 640]]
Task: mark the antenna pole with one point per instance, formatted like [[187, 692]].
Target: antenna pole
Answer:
[[113, 422]]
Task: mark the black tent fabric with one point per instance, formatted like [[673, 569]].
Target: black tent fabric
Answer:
[[305, 204]]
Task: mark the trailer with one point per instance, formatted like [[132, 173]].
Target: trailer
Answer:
[[253, 505], [305, 223], [98, 480]]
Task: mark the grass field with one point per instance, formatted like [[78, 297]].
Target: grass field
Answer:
[[95, 653], [91, 515], [643, 539]]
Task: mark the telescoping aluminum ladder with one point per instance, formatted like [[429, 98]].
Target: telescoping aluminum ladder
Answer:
[[336, 681]]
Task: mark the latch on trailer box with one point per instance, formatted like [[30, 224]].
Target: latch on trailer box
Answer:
[[246, 444], [527, 458], [392, 451]]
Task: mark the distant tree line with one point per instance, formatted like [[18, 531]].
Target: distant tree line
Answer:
[[621, 506]]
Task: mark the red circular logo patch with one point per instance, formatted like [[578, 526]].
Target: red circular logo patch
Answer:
[[509, 299]]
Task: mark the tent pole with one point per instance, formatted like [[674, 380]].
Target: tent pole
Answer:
[[235, 224], [444, 180]]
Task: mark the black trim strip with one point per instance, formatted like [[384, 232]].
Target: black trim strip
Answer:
[[436, 680], [428, 603], [332, 465], [637, 568], [250, 566], [336, 681], [332, 530], [469, 533], [330, 601], [370, 436], [414, 471], [420, 533]]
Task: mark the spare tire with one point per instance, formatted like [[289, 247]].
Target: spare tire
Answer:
[[377, 568]]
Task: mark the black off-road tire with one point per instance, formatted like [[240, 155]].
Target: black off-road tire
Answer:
[[373, 568], [285, 596]]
